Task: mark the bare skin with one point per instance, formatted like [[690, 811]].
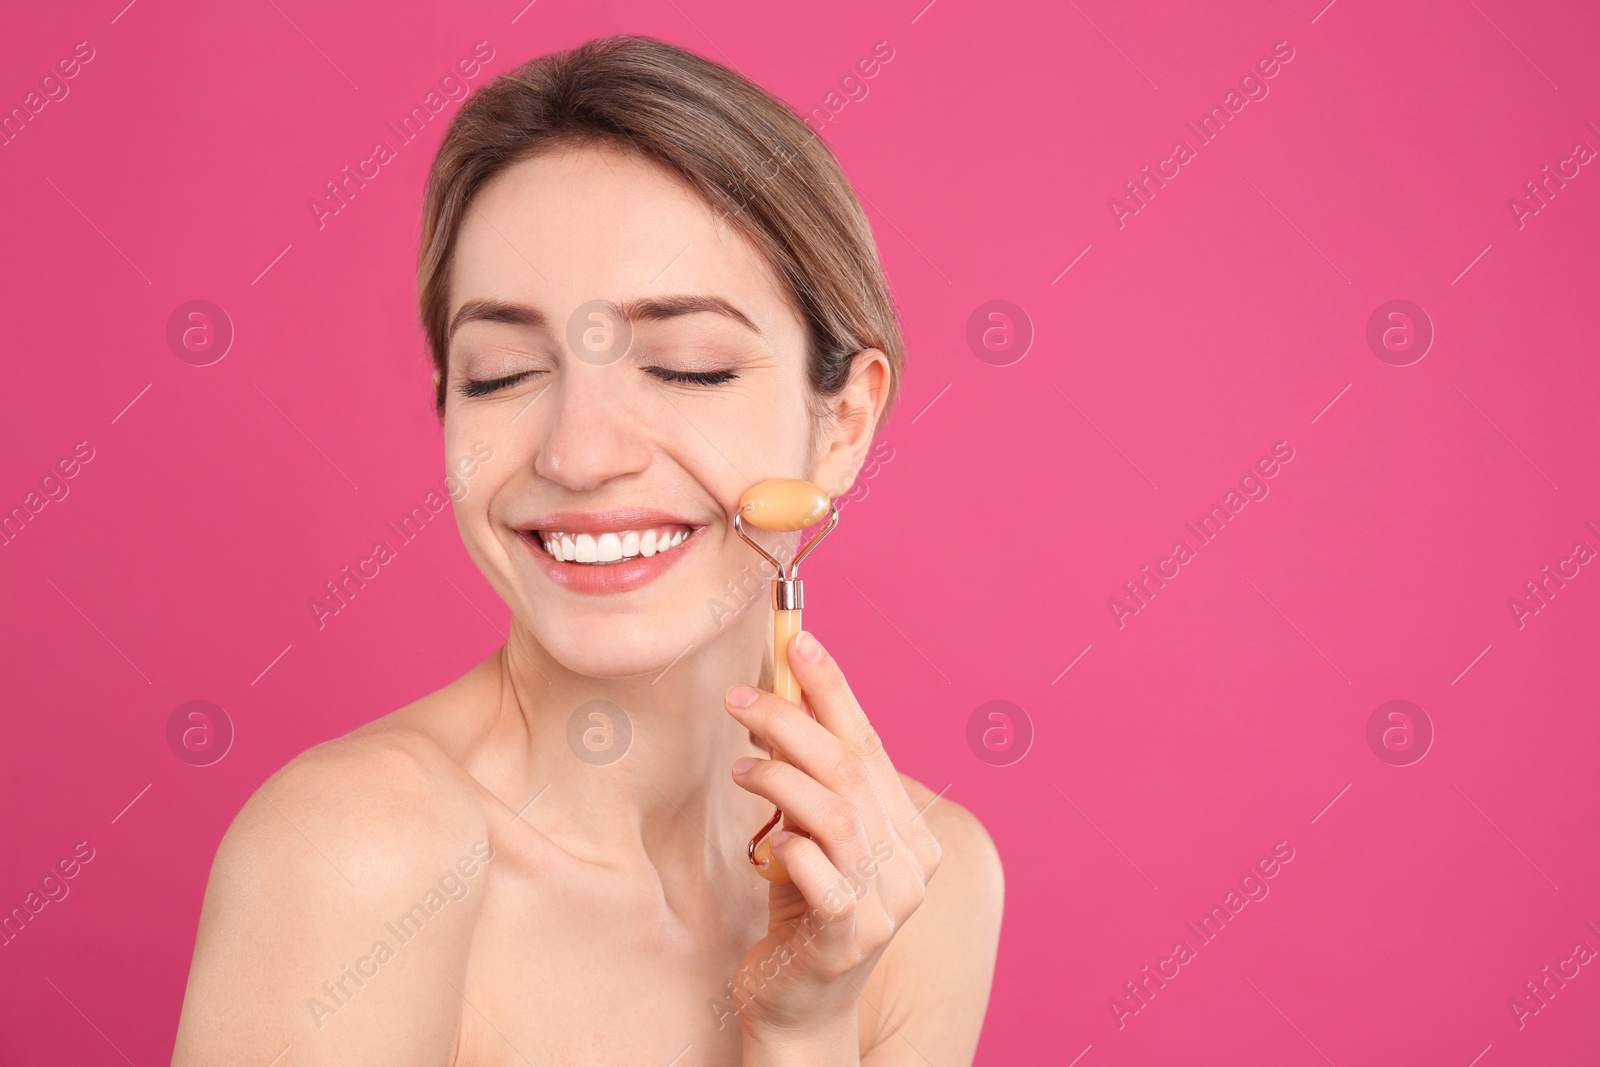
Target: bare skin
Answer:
[[469, 880]]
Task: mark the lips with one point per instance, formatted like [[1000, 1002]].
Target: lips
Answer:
[[611, 551], [611, 546]]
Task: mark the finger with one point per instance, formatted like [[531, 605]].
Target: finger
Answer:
[[874, 862], [831, 820], [830, 697], [805, 742], [833, 913], [819, 752], [826, 689]]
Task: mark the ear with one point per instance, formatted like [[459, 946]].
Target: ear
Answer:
[[436, 377], [856, 411]]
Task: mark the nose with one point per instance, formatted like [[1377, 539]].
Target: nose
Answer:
[[591, 434]]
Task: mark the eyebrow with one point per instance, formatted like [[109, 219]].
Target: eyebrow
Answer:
[[648, 309]]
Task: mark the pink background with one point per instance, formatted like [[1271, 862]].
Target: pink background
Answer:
[[1229, 714]]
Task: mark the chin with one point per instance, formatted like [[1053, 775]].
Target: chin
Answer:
[[635, 617], [619, 646]]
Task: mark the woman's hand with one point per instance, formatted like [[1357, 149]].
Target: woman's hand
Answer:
[[860, 863]]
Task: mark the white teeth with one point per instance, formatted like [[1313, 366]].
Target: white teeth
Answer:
[[611, 546]]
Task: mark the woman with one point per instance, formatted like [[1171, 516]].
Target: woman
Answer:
[[646, 286]]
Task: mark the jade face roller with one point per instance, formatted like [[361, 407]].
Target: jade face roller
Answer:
[[784, 505]]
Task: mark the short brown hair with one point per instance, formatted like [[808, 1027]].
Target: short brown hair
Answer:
[[747, 153]]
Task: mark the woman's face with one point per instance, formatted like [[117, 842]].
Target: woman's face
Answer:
[[630, 367]]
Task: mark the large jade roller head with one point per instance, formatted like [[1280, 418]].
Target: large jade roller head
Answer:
[[782, 505]]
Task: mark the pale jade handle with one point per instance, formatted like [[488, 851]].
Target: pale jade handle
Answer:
[[785, 624]]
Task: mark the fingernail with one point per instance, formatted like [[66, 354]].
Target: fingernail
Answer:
[[807, 646], [743, 764], [742, 696], [779, 837]]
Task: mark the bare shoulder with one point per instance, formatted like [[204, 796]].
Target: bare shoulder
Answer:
[[962, 839], [369, 806], [307, 933], [937, 972]]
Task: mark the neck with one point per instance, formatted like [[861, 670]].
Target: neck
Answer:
[[638, 768]]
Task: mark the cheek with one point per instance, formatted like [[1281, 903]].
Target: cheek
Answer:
[[771, 434], [477, 465]]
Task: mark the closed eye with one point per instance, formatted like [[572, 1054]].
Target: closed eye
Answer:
[[473, 387], [707, 377]]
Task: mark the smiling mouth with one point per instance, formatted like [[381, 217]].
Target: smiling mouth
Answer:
[[611, 546]]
